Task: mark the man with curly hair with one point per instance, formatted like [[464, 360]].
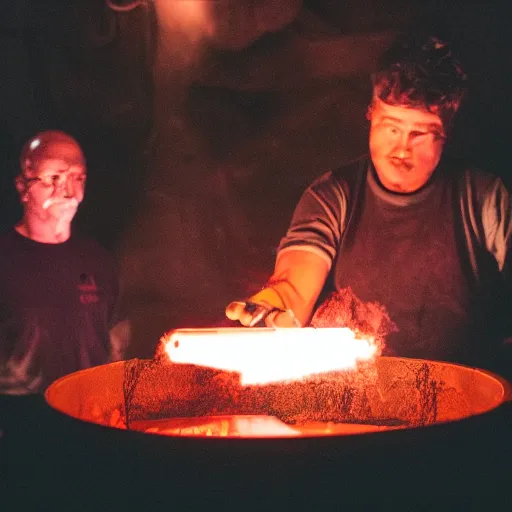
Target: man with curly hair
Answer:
[[406, 228]]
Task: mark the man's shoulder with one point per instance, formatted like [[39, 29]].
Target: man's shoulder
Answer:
[[10, 239], [346, 173], [473, 178], [460, 167], [476, 187], [14, 249], [6, 234]]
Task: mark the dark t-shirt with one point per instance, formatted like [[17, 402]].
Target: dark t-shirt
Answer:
[[436, 259], [56, 308]]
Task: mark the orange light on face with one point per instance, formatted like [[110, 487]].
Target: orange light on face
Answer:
[[263, 356]]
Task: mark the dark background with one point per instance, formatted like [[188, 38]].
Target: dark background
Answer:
[[203, 121]]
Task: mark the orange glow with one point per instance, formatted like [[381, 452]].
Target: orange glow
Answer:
[[191, 16], [264, 355], [219, 426], [251, 426]]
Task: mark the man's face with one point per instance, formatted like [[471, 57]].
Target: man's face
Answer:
[[52, 187], [405, 145]]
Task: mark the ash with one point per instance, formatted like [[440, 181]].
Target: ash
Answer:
[[160, 390], [344, 309]]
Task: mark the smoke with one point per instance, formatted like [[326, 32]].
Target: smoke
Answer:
[[183, 26], [344, 309], [191, 17]]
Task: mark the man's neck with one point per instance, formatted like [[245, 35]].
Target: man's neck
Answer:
[[55, 232]]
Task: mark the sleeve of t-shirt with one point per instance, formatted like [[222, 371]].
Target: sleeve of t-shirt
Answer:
[[497, 224], [318, 220]]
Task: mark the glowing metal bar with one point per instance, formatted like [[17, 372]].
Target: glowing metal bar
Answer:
[[269, 355]]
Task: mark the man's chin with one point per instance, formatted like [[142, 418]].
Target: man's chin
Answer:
[[396, 182]]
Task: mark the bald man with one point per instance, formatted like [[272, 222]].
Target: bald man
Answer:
[[58, 290]]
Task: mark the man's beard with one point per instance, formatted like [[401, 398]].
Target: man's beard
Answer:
[[71, 203]]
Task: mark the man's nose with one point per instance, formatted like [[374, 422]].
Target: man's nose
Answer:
[[65, 187], [404, 146]]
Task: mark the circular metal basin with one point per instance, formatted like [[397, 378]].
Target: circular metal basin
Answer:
[[422, 432], [389, 393]]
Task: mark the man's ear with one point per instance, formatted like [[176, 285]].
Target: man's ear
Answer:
[[21, 187], [369, 111]]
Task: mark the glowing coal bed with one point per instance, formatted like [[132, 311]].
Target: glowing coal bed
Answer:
[[367, 393]]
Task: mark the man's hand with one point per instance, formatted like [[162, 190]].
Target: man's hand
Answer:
[[267, 305], [120, 336], [247, 313], [291, 294]]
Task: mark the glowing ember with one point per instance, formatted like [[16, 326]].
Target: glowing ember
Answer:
[[263, 356], [219, 426]]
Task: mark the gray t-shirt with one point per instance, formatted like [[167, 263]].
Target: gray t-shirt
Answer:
[[437, 259]]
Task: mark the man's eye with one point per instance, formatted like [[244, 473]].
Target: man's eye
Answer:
[[49, 180], [416, 134], [393, 130]]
